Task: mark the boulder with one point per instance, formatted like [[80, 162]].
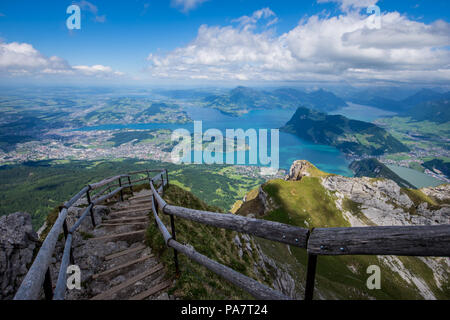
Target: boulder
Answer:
[[18, 242], [298, 170]]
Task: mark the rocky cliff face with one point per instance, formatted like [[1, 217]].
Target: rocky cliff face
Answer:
[[382, 202], [310, 198], [18, 242]]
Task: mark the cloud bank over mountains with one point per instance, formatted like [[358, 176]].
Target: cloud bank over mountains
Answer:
[[321, 48], [324, 48]]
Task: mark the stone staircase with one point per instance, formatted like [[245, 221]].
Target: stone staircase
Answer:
[[121, 266]]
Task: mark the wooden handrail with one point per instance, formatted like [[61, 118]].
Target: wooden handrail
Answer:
[[256, 289], [106, 181], [162, 228], [32, 284], [159, 199], [402, 241], [75, 198], [433, 241], [109, 195], [274, 231], [140, 180], [62, 276]]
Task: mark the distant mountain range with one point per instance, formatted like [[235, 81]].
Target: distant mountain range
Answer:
[[426, 104], [242, 100], [387, 100], [349, 136], [434, 111]]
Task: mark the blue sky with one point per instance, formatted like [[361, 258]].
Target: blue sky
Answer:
[[149, 41]]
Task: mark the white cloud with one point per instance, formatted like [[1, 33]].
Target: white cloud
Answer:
[[325, 49], [97, 70], [349, 4], [258, 15], [88, 6], [187, 5], [23, 59]]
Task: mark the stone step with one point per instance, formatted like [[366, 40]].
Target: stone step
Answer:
[[141, 197], [122, 266], [149, 202], [131, 210], [156, 289], [125, 252], [130, 214], [123, 224], [131, 223], [127, 208], [125, 219], [120, 235], [109, 293]]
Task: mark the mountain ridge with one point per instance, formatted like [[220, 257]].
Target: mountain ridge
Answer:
[[243, 99], [349, 136]]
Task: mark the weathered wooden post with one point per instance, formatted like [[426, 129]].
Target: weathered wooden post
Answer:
[[66, 234], [174, 237], [131, 187], [48, 286], [167, 177], [310, 277], [148, 177], [91, 210], [121, 191], [154, 202]]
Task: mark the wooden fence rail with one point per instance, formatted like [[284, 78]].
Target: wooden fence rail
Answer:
[[256, 289], [106, 181], [401, 241], [398, 240], [38, 276], [257, 227]]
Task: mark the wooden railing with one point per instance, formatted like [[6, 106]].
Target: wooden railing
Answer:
[[403, 240], [39, 276]]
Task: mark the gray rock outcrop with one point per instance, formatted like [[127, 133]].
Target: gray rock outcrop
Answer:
[[298, 170], [18, 242]]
